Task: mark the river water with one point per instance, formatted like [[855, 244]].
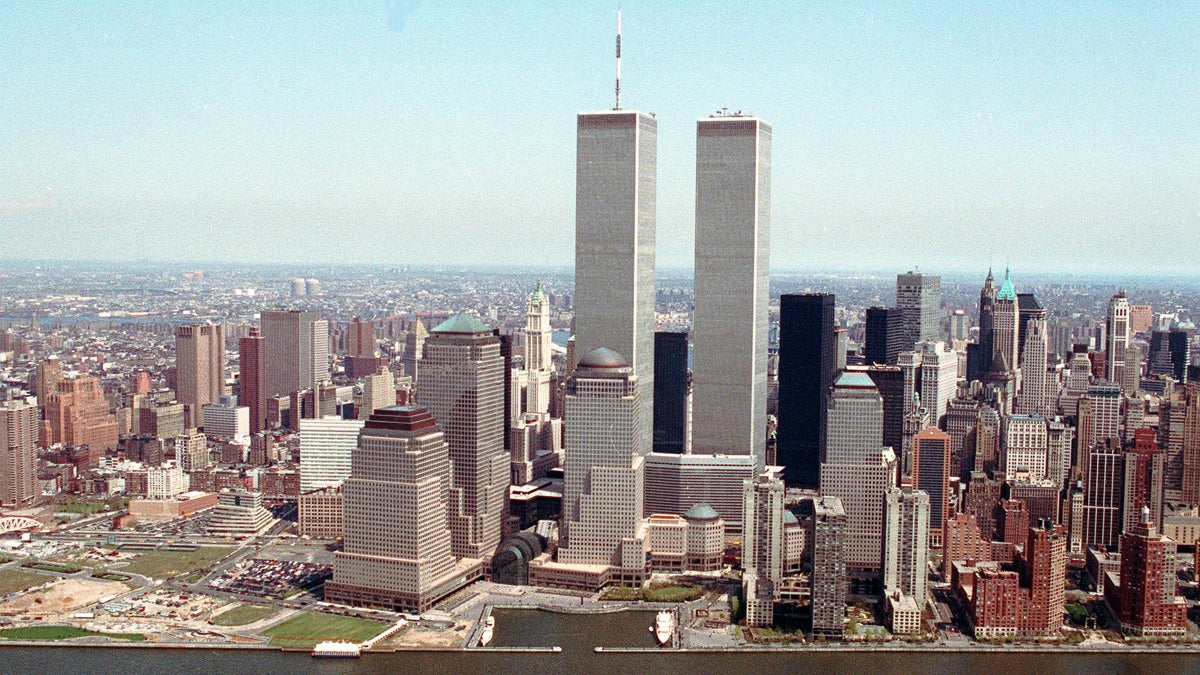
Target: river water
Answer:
[[577, 635]]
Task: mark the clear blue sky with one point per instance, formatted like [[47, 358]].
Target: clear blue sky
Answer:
[[944, 135]]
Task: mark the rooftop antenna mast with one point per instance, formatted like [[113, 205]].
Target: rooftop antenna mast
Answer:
[[618, 60]]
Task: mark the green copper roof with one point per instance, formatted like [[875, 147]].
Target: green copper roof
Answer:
[[1007, 292], [701, 512], [538, 295], [461, 323]]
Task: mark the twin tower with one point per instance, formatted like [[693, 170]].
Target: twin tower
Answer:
[[616, 190]]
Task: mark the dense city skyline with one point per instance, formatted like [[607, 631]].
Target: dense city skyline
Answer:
[[141, 132]]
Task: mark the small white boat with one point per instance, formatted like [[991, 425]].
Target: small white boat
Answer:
[[345, 650], [489, 628], [664, 626]]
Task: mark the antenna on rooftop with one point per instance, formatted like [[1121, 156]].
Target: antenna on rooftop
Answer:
[[618, 106]]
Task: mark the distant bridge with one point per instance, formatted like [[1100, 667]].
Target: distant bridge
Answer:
[[17, 523]]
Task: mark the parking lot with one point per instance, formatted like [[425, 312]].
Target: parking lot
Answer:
[[270, 578]]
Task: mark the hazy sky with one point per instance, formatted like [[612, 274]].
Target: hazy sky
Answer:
[[942, 135]]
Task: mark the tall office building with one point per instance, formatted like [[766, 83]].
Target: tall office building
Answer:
[[326, 448], [199, 365], [360, 338], [670, 392], [539, 364], [885, 335], [733, 222], [251, 392], [1099, 419], [806, 371], [762, 547], [1025, 443], [939, 378], [603, 461], [191, 450], [830, 585], [18, 454], [857, 468], [919, 298], [1143, 485], [295, 351], [1170, 354], [397, 534], [890, 382], [47, 376], [906, 537], [931, 475], [985, 347], [615, 205], [462, 385], [1103, 494], [378, 391], [1006, 329], [77, 414], [1144, 598], [1034, 395], [1116, 331]]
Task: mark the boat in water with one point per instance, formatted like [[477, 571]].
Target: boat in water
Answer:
[[344, 650], [489, 628], [664, 627]]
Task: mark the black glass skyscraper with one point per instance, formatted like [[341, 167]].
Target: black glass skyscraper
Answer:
[[806, 371], [670, 391], [1170, 354], [885, 335]]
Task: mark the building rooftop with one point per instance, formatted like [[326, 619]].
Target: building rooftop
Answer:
[[855, 380], [461, 323], [1007, 292], [603, 358], [701, 512]]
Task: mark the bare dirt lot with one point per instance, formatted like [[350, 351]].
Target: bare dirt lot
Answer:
[[61, 597]]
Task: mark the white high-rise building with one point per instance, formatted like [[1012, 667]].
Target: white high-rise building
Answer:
[[191, 450], [1116, 331], [534, 381], [1099, 419], [227, 419], [939, 378], [857, 468], [603, 461], [615, 199], [378, 391], [1034, 396], [1025, 443], [326, 448], [396, 517], [762, 547], [462, 384], [733, 219], [906, 543]]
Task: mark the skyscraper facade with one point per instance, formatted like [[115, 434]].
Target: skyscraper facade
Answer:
[[1116, 331], [670, 391], [326, 448], [906, 535], [18, 454], [199, 365], [360, 338], [615, 207], [806, 371], [919, 298], [396, 552], [1034, 396], [462, 385], [603, 460], [1005, 328], [733, 218], [885, 335], [251, 393], [931, 475], [295, 351]]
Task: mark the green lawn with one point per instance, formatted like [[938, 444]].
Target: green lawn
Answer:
[[313, 627], [242, 615], [656, 593], [62, 633], [164, 564], [12, 581]]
